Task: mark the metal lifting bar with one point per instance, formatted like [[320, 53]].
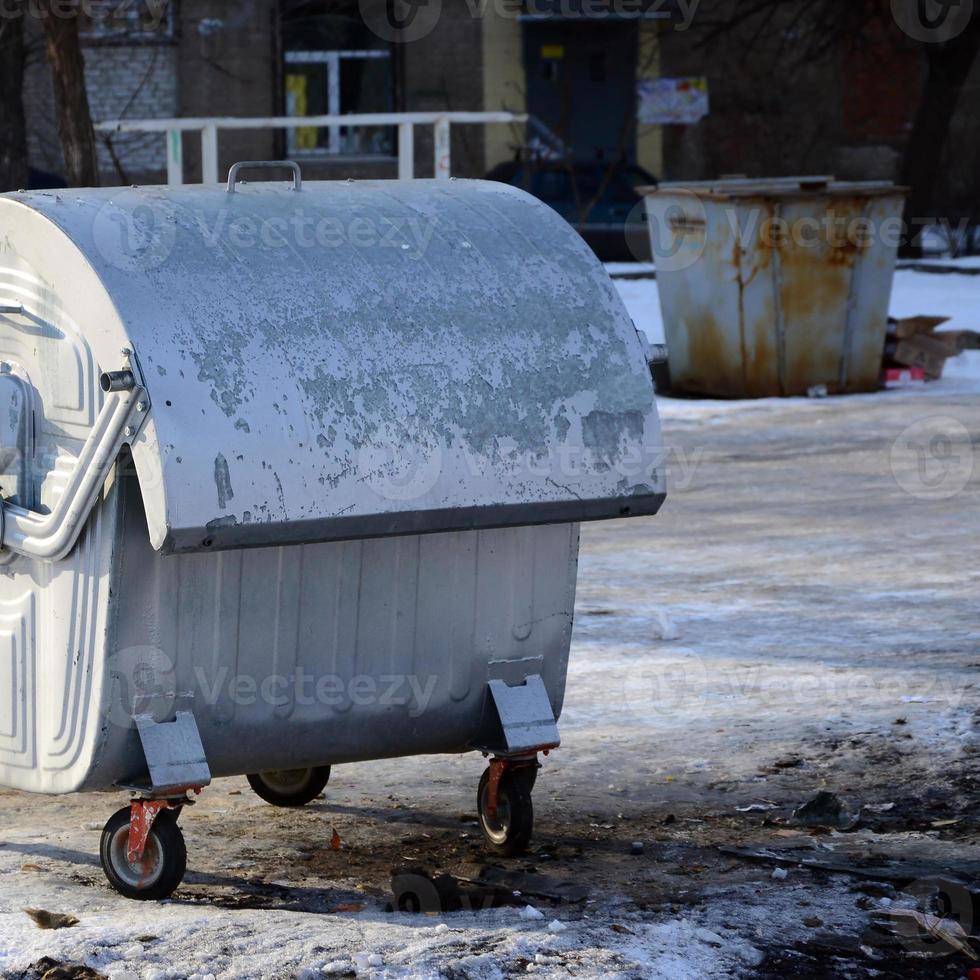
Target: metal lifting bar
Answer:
[[50, 537]]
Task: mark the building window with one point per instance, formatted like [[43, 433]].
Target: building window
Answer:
[[337, 83], [334, 66], [127, 21]]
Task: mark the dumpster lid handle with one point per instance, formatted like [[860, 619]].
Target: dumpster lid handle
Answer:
[[265, 165]]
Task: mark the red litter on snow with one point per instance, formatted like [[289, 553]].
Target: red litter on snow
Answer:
[[974, 974], [903, 378]]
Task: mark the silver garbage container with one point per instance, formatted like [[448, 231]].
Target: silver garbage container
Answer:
[[292, 477]]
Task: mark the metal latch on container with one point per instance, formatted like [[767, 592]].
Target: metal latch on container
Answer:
[[129, 379]]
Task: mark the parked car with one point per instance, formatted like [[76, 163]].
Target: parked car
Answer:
[[599, 199]]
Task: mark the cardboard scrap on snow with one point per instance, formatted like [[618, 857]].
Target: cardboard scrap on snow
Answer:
[[962, 339], [925, 350], [909, 326], [913, 344]]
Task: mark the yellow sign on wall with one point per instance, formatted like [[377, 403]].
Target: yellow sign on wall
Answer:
[[297, 104]]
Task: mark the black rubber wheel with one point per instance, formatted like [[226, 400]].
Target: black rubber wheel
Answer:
[[164, 861], [509, 831], [290, 787]]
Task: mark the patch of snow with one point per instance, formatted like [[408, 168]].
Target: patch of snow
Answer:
[[531, 913]]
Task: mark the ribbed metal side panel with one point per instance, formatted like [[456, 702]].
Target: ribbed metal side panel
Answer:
[[53, 617], [53, 621], [342, 651]]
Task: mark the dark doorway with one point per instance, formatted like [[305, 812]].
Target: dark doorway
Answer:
[[581, 78]]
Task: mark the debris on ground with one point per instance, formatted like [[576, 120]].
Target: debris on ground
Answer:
[[825, 810], [51, 920], [915, 925], [47, 968], [878, 807], [913, 348], [417, 890], [534, 884]]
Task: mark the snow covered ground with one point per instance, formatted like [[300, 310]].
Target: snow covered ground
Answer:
[[801, 616]]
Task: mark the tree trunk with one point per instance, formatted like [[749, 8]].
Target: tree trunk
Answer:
[[13, 135], [948, 67], [64, 53]]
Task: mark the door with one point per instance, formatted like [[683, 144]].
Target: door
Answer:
[[581, 80]]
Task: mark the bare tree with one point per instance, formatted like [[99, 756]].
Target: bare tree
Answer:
[[64, 52], [808, 30], [949, 64], [13, 144]]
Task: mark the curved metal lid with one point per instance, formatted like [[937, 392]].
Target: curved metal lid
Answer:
[[359, 359]]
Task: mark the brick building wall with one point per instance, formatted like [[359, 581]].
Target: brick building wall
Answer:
[[444, 71], [775, 111], [227, 66], [224, 58], [131, 80]]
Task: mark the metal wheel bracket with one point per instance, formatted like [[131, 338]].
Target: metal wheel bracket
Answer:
[[498, 766], [143, 814]]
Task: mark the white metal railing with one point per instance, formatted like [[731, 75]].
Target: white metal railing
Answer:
[[209, 128]]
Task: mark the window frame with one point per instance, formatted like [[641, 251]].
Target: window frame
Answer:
[[332, 60], [134, 32]]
